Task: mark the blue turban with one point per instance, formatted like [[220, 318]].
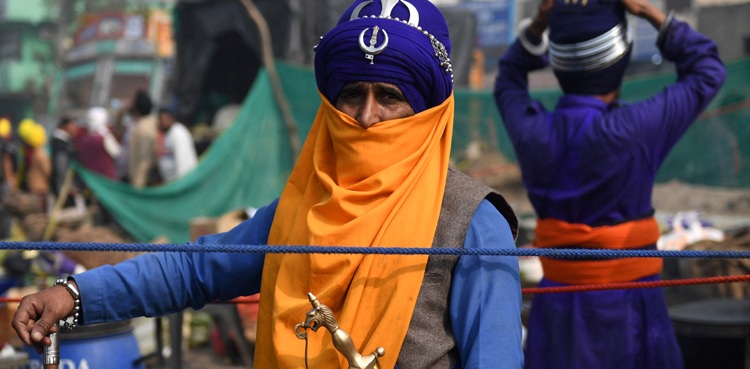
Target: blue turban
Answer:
[[577, 21], [415, 58]]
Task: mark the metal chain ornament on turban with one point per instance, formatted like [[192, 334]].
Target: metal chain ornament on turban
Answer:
[[402, 42]]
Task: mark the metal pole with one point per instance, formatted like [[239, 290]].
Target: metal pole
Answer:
[[52, 352]]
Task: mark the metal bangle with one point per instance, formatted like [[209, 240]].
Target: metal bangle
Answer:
[[594, 54], [76, 300], [664, 29], [533, 49]]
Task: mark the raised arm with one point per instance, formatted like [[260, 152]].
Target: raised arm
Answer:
[[661, 120], [526, 54], [645, 10]]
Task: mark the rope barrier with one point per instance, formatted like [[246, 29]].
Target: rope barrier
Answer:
[[634, 285], [265, 249], [237, 301], [542, 252]]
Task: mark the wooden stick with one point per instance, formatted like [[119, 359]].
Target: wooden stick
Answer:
[[273, 75]]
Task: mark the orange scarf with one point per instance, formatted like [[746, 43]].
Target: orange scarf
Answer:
[[381, 186]]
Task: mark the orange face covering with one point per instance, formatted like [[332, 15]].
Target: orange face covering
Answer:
[[381, 186]]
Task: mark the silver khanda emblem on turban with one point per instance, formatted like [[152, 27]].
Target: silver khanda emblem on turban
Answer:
[[372, 50]]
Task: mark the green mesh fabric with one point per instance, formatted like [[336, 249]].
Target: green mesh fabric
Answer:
[[246, 166], [249, 163]]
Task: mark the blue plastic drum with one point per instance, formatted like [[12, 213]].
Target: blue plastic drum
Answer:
[[98, 346]]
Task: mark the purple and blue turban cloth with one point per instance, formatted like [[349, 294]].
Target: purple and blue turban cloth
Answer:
[[573, 22], [408, 60]]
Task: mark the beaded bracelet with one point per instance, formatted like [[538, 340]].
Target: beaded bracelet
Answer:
[[76, 300]]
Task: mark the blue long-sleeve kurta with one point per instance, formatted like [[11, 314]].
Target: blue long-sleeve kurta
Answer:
[[592, 163], [485, 303]]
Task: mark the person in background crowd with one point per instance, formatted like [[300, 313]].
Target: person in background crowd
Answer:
[[35, 166], [589, 167], [7, 175], [374, 171], [176, 148], [99, 150], [122, 128], [64, 151], [142, 143], [97, 146]]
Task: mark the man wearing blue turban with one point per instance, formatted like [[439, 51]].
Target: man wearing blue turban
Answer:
[[374, 171], [589, 168]]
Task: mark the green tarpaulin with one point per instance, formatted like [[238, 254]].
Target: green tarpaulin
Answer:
[[249, 163], [246, 166]]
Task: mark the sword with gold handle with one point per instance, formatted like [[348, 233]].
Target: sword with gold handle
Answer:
[[321, 316]]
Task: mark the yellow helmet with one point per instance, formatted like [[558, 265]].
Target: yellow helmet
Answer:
[[33, 134], [24, 128], [5, 128]]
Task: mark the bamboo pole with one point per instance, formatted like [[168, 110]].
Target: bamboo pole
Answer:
[[49, 230], [267, 56]]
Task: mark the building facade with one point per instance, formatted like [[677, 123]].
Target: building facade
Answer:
[[27, 50]]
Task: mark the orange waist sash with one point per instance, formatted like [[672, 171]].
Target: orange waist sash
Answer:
[[629, 235]]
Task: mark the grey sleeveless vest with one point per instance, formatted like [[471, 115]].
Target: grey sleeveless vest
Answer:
[[429, 341]]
